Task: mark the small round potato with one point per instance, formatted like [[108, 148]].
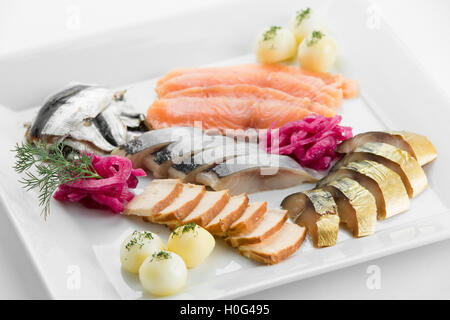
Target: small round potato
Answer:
[[303, 22], [275, 44], [192, 243], [162, 274], [137, 247], [317, 52]]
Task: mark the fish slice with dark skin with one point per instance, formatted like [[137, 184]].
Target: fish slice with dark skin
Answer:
[[92, 118], [254, 173], [317, 211], [159, 162], [138, 149], [188, 168]]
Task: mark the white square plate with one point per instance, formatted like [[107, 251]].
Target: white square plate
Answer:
[[395, 94]]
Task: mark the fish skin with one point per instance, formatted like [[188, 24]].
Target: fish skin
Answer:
[[49, 108], [189, 167], [89, 114], [67, 113], [155, 138], [254, 173]]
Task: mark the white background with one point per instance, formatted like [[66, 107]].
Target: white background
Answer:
[[423, 26]]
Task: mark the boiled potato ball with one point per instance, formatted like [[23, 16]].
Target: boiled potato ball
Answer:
[[304, 22], [137, 247], [163, 273], [275, 44], [317, 52], [192, 243]]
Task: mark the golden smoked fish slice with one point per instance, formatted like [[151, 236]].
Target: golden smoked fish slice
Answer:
[[415, 144], [317, 211], [397, 160], [384, 184], [357, 207]]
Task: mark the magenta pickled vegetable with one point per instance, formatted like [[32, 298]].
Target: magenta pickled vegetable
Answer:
[[111, 192], [312, 141]]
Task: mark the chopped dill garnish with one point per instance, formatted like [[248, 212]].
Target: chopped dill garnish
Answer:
[[301, 15], [183, 229], [270, 33], [138, 239], [162, 255], [315, 36]]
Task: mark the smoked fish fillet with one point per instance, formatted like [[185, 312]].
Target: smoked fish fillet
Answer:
[[299, 85], [245, 91], [348, 87], [222, 113], [248, 96]]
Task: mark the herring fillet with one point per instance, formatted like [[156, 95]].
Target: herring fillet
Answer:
[[96, 117], [188, 168], [254, 173], [159, 162], [149, 142]]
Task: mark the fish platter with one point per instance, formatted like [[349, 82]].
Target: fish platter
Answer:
[[153, 167]]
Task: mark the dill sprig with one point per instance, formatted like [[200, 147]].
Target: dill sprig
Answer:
[[46, 167]]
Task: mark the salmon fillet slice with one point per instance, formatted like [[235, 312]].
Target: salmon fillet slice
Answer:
[[307, 87], [222, 113], [348, 86], [245, 91]]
